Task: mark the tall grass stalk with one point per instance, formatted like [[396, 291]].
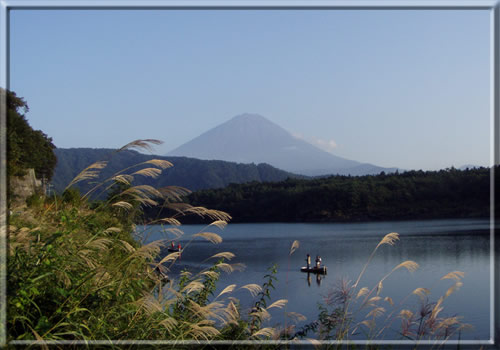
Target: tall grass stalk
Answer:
[[75, 272], [350, 309]]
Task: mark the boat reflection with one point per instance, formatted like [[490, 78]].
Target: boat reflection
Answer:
[[319, 279]]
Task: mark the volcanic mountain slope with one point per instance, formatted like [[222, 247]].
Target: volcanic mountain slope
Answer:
[[251, 138]]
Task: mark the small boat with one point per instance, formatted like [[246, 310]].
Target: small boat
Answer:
[[173, 250], [313, 269]]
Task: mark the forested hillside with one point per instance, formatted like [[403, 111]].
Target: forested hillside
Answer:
[[449, 193], [27, 148], [191, 173]]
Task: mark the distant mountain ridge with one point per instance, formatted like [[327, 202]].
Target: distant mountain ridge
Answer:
[[193, 174], [252, 138]]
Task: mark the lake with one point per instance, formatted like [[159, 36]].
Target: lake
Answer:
[[438, 246]]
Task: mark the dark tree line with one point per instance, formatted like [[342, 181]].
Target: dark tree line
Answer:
[[449, 193], [26, 147]]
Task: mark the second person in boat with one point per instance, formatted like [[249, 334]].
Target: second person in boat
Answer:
[[318, 261]]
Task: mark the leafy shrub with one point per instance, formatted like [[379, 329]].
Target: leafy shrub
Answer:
[[35, 200], [72, 196]]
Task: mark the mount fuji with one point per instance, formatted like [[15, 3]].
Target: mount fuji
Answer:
[[252, 138]]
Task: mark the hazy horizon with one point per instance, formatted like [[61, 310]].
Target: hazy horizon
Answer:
[[395, 88]]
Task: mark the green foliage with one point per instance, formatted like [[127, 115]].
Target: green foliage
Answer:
[[328, 325], [26, 148], [264, 297], [182, 309], [72, 196], [35, 200], [56, 276], [127, 216], [449, 193], [209, 285]]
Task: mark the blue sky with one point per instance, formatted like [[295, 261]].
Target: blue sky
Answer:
[[408, 88]]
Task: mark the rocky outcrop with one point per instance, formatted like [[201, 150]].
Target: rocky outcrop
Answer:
[[21, 187]]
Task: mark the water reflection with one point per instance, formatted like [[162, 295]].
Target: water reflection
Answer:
[[439, 247], [318, 278]]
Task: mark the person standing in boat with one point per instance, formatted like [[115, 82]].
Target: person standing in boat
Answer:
[[308, 261], [318, 261]]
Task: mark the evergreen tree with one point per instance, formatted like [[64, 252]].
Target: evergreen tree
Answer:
[[26, 148]]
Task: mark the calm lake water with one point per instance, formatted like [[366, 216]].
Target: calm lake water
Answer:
[[438, 246]]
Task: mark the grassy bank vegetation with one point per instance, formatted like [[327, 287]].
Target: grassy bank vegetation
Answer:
[[76, 273]]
